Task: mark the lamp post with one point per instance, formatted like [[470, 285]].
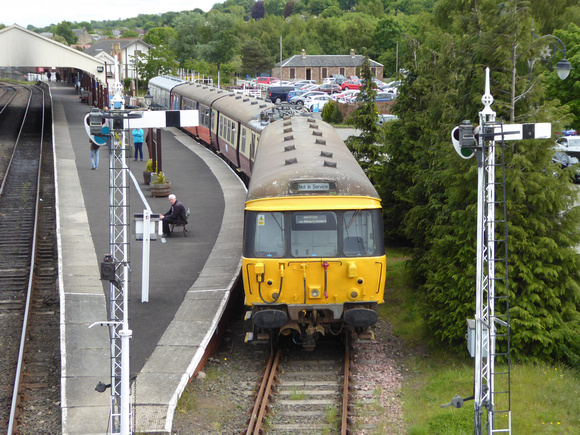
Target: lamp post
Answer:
[[148, 99], [548, 53], [563, 67]]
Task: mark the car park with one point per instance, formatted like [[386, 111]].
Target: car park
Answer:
[[316, 103], [329, 88], [277, 94], [299, 100]]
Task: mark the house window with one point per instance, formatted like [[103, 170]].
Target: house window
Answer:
[[342, 71], [324, 73], [292, 73]]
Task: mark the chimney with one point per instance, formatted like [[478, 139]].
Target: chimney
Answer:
[[303, 53], [352, 52]]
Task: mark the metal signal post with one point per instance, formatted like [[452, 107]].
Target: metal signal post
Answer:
[[491, 324]]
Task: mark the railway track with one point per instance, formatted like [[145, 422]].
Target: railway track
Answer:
[[304, 392], [29, 310]]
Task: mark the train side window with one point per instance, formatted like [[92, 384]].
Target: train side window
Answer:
[[243, 144], [358, 233], [269, 240], [314, 234]]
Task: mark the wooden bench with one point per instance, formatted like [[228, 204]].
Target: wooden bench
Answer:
[[181, 224]]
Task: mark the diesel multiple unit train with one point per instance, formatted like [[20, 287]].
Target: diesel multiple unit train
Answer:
[[313, 256]]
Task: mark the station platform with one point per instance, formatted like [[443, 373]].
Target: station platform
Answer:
[[191, 278]]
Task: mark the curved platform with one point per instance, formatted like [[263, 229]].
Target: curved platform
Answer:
[[191, 278]]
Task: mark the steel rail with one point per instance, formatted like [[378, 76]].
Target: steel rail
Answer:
[[11, 98], [259, 408], [19, 133], [345, 386], [18, 377]]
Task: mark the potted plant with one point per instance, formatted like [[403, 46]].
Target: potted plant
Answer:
[[147, 172], [160, 187]]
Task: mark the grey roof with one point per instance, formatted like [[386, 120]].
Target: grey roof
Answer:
[[345, 60], [106, 45]]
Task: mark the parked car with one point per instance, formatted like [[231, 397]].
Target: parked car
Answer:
[[294, 93], [316, 103], [386, 96], [310, 87], [565, 161], [301, 83], [570, 132], [345, 96], [386, 117], [329, 88], [266, 81], [277, 94], [302, 98], [569, 145], [351, 84]]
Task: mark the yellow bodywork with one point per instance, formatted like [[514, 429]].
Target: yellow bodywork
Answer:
[[348, 279], [360, 279]]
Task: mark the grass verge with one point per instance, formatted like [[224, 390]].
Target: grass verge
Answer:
[[544, 398]]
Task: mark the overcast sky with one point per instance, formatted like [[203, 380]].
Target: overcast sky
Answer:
[[41, 13]]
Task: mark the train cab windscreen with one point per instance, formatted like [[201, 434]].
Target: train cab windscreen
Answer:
[[316, 233]]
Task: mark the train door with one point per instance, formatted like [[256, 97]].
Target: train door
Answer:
[[253, 142]]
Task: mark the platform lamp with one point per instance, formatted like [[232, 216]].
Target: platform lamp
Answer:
[[148, 99], [563, 67]]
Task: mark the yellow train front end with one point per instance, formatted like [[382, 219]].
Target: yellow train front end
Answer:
[[313, 265]]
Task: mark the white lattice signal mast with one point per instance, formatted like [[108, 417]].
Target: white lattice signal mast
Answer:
[[490, 320], [108, 128]]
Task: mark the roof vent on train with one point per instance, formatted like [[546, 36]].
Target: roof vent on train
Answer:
[[287, 123], [212, 89], [287, 138], [311, 120], [254, 102], [288, 130], [262, 106], [326, 154], [291, 161], [313, 126], [245, 100], [330, 164], [292, 148], [238, 97], [320, 141], [316, 133]]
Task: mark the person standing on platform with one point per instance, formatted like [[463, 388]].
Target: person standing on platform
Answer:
[[138, 142], [94, 155], [176, 213]]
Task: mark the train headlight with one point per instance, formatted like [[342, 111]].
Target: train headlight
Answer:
[[353, 294], [314, 293]]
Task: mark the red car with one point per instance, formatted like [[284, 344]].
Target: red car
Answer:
[[351, 84], [261, 81]]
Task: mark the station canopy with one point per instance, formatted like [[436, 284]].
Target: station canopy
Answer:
[[19, 47]]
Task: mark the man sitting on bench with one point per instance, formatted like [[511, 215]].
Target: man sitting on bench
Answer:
[[176, 214]]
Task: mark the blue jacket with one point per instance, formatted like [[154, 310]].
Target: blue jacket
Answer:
[[138, 135]]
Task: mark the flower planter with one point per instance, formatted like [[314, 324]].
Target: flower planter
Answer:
[[160, 189], [147, 177]]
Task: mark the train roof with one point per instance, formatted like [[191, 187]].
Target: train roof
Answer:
[[165, 82], [305, 156], [250, 111]]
